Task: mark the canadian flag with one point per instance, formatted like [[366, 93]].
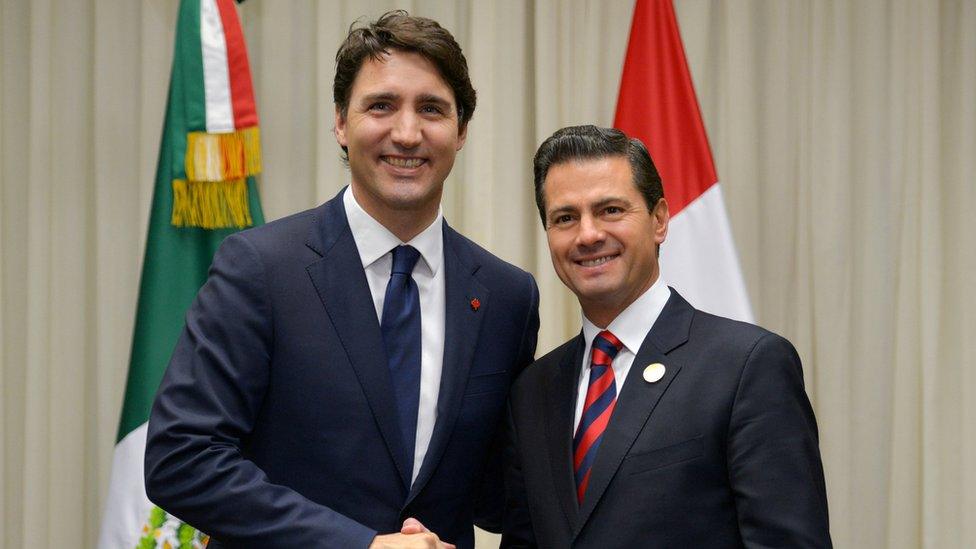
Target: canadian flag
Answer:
[[657, 105]]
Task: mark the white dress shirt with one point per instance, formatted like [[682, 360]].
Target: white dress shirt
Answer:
[[375, 244], [631, 327]]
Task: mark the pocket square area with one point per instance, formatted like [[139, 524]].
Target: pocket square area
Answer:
[[668, 455], [488, 382]]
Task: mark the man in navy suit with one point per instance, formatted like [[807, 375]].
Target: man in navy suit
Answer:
[[344, 370], [659, 425]]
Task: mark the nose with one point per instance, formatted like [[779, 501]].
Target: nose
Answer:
[[590, 232], [407, 132]]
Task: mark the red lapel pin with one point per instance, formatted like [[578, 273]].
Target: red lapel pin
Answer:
[[475, 304]]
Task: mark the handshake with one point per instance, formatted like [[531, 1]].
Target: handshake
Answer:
[[412, 534]]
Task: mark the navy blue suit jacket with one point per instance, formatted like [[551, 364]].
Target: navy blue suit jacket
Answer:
[[720, 453], [275, 423]]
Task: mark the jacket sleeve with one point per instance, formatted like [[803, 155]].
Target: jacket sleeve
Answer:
[[774, 460], [490, 499], [517, 532], [206, 407]]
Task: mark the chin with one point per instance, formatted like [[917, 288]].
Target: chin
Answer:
[[596, 294], [601, 284], [412, 200], [416, 188]]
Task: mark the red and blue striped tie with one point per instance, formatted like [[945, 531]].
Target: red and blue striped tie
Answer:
[[601, 397]]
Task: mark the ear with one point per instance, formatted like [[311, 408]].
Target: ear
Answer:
[[661, 217], [462, 136], [340, 127]]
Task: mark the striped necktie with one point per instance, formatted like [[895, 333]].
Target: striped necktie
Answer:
[[601, 397]]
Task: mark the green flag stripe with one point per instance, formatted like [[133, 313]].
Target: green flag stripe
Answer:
[[191, 56], [176, 259]]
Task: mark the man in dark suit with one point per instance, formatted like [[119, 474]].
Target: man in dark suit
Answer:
[[659, 425], [345, 369]]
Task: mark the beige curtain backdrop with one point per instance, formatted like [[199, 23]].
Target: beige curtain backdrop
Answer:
[[844, 134]]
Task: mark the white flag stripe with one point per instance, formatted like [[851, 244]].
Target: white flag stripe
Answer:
[[699, 260], [126, 510], [216, 75]]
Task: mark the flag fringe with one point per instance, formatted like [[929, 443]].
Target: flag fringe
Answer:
[[211, 204], [223, 156], [214, 193]]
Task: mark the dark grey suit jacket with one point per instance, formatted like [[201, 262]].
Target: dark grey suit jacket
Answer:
[[722, 452]]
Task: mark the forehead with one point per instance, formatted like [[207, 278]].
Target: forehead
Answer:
[[401, 73], [578, 183]]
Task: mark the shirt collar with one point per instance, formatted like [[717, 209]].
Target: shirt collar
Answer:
[[634, 323], [374, 241]]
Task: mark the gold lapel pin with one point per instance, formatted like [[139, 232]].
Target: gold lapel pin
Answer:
[[654, 372]]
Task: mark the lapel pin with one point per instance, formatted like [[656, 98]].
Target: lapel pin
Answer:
[[475, 304], [654, 372]]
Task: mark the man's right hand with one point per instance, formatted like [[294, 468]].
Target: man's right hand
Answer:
[[422, 540]]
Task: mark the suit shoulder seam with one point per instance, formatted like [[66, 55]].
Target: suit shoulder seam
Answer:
[[742, 373], [265, 290]]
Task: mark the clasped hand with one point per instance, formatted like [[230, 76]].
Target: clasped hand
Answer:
[[413, 534]]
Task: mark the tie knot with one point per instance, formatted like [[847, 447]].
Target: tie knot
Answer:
[[404, 259], [605, 348]]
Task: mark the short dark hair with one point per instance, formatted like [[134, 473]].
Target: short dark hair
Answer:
[[589, 143], [398, 30]]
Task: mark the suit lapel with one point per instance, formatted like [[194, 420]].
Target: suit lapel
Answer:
[[341, 284], [560, 403], [638, 398], [462, 322]]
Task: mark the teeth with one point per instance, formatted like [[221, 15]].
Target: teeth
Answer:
[[403, 162], [595, 262]]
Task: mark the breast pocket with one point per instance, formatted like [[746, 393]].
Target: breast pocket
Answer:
[[668, 455], [489, 382]]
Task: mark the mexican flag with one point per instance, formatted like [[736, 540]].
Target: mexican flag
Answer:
[[657, 105], [205, 189]]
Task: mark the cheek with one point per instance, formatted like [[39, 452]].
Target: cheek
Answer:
[[553, 251], [366, 131], [643, 256], [447, 146], [558, 250]]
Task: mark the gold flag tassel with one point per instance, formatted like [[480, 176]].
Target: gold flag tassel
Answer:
[[214, 193]]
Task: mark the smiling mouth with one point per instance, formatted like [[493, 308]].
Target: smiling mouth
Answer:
[[400, 162], [598, 261]]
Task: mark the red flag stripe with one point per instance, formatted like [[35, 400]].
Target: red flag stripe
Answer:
[[657, 104], [238, 68]]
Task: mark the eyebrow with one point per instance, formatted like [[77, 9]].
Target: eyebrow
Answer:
[[426, 98], [610, 200], [560, 210], [380, 96], [596, 205], [432, 98]]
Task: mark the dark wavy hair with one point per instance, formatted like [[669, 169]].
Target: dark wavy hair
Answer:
[[398, 30]]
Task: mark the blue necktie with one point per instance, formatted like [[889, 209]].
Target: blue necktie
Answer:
[[401, 337]]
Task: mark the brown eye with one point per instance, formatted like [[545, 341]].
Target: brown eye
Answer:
[[561, 219]]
